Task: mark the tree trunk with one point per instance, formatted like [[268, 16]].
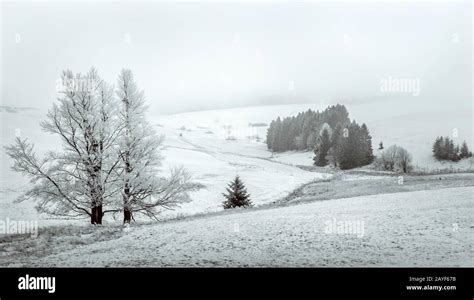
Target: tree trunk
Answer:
[[127, 216], [93, 218], [100, 214], [127, 212], [96, 215]]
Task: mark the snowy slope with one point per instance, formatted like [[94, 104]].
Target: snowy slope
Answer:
[[211, 158], [424, 228], [397, 121], [217, 145]]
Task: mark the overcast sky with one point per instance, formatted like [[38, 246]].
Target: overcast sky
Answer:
[[189, 56]]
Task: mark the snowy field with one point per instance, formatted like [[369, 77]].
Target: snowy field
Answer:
[[214, 146], [211, 159], [425, 222], [423, 228]]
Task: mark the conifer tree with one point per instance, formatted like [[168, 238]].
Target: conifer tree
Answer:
[[465, 150], [336, 142], [322, 149], [437, 147], [236, 195], [366, 140]]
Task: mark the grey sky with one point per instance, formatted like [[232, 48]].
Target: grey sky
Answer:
[[189, 56]]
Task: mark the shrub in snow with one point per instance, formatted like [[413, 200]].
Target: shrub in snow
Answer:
[[395, 158]]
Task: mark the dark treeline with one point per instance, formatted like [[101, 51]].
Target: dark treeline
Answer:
[[300, 132], [444, 149], [330, 133]]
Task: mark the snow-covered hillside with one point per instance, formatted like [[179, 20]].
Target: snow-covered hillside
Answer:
[[198, 142], [415, 128], [217, 145], [423, 228]]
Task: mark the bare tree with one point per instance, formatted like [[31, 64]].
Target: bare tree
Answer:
[[395, 158], [143, 191], [73, 182], [404, 160], [389, 157], [109, 150]]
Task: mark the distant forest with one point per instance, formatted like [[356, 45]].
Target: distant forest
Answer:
[[334, 138]]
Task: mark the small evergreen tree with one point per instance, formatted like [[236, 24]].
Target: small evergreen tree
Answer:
[[237, 195], [366, 145], [437, 147], [465, 150], [322, 149], [451, 149]]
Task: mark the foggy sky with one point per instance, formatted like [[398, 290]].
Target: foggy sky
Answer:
[[190, 56]]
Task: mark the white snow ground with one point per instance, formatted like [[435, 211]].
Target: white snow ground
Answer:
[[423, 228], [198, 141], [426, 228], [217, 145]]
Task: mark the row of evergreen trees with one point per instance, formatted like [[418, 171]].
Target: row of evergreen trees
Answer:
[[347, 147], [330, 133], [300, 132], [351, 147], [444, 149]]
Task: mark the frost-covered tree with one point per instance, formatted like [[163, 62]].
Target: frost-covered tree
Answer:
[[237, 195], [78, 180], [143, 190], [403, 160], [395, 158], [109, 158], [387, 159]]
